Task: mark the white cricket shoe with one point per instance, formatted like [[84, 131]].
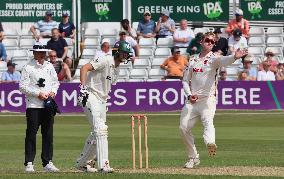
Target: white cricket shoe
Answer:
[[88, 168], [212, 149], [50, 168], [29, 167], [107, 168], [192, 162]]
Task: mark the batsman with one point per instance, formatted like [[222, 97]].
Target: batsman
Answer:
[[96, 79]]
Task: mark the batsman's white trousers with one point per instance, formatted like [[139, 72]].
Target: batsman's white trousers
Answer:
[[203, 109], [96, 145]]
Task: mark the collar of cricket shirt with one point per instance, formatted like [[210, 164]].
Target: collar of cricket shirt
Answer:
[[40, 65]]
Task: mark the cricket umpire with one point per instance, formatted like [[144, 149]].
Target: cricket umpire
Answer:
[[39, 83]]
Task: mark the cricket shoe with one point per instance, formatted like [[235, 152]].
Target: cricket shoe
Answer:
[[192, 162], [212, 149], [29, 167], [88, 168], [107, 168], [50, 168]]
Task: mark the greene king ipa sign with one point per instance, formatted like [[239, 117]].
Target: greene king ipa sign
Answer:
[[102, 10], [32, 10], [193, 10], [263, 9]]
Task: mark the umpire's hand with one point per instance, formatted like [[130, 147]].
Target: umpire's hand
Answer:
[[42, 96]]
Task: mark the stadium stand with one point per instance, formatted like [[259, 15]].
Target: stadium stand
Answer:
[[142, 64]]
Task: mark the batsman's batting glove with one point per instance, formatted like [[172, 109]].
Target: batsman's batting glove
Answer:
[[83, 96]]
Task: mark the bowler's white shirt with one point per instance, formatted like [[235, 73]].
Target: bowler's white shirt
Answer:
[[200, 77], [31, 74], [187, 33], [105, 74], [265, 76]]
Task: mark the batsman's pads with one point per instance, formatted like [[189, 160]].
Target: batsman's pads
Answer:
[[51, 106], [83, 96], [102, 148], [89, 151]]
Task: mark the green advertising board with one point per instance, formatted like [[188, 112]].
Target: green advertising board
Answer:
[[101, 10], [32, 10], [263, 9], [192, 10]]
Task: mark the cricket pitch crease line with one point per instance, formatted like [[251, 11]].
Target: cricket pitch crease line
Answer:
[[149, 114], [226, 170]]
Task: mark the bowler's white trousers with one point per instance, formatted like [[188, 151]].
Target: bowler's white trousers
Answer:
[[96, 145], [203, 109]]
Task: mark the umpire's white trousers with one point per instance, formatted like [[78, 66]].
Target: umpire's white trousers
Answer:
[[203, 109], [95, 111]]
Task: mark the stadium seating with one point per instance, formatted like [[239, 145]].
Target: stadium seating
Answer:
[[77, 74], [157, 62], [162, 52], [278, 51], [256, 51], [257, 31], [11, 33], [183, 51], [19, 55], [110, 33], [3, 66], [10, 44], [88, 53], [82, 62], [232, 72], [156, 73], [275, 41], [256, 41], [202, 30], [92, 43], [165, 42], [140, 74], [142, 64], [27, 43], [126, 65], [147, 43], [145, 53], [92, 33], [27, 34], [123, 74], [274, 31]]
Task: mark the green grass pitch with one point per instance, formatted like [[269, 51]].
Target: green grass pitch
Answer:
[[245, 139]]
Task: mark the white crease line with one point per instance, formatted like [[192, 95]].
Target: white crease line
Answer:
[[155, 114]]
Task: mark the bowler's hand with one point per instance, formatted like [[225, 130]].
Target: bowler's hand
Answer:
[[193, 99], [42, 96], [240, 53], [51, 94]]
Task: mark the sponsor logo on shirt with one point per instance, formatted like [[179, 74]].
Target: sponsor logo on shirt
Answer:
[[197, 70], [66, 27]]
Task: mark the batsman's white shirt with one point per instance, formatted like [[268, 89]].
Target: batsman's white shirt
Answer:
[[31, 74], [105, 74], [201, 74]]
